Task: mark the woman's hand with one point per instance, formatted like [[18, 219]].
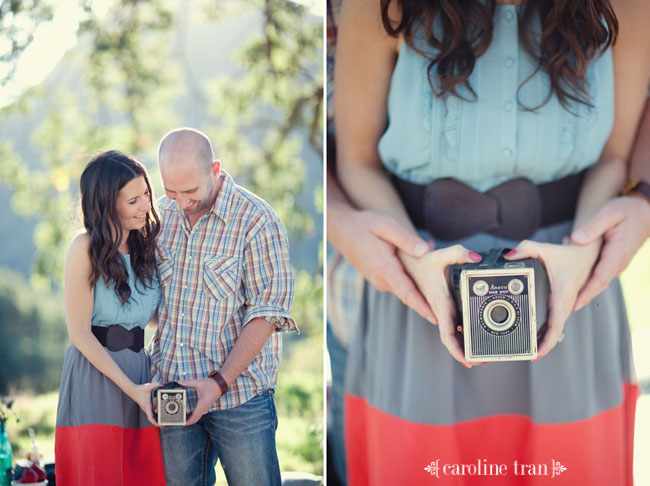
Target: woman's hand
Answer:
[[568, 267], [141, 394], [430, 274]]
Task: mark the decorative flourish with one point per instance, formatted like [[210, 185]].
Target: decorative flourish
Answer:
[[558, 468], [433, 468]]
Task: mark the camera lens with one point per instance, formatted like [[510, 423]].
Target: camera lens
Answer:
[[171, 407], [499, 314]]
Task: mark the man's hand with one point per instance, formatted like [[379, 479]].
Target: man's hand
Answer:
[[371, 246], [624, 225], [208, 392]]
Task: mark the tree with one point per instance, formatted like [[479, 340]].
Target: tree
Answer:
[[124, 101], [19, 19], [265, 122]]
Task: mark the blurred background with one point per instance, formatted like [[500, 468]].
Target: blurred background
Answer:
[[81, 76]]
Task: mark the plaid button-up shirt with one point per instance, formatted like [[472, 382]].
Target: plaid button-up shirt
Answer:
[[230, 268]]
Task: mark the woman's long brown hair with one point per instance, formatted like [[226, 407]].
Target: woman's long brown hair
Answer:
[[100, 184], [573, 33]]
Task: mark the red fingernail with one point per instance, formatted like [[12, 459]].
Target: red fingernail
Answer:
[[474, 256], [510, 253]]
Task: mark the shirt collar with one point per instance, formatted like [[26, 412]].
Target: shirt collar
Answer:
[[222, 203]]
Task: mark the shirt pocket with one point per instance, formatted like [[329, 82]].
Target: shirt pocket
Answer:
[[220, 276], [165, 265]]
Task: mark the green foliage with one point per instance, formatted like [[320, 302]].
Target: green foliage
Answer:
[[299, 402], [18, 22], [124, 103], [32, 336], [39, 413], [277, 103]]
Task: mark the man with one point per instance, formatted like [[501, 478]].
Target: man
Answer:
[[227, 288], [623, 223]]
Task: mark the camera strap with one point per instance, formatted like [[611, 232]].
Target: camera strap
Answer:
[[493, 256]]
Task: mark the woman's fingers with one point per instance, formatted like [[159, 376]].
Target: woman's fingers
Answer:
[[525, 249], [563, 294], [442, 303], [556, 319], [448, 337], [407, 292], [456, 254]]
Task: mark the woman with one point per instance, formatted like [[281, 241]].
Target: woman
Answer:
[[104, 427], [485, 93]]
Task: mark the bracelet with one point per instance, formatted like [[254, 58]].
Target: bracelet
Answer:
[[220, 381]]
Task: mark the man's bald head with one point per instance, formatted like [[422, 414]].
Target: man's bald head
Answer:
[[185, 145]]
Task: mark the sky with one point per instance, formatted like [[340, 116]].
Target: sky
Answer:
[[53, 39]]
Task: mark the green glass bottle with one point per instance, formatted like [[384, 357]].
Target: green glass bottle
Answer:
[[5, 457]]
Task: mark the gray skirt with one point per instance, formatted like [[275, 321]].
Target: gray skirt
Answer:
[[102, 436], [410, 404]]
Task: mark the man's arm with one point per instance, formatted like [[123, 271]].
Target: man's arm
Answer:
[[623, 223], [248, 345], [369, 241]]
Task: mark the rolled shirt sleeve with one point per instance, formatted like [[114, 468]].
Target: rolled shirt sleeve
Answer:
[[268, 278]]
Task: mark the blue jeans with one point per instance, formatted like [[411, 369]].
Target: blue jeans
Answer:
[[242, 438]]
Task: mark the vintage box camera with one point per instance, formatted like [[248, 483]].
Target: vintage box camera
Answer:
[[502, 305], [169, 404]]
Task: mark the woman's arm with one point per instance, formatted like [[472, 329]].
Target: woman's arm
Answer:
[[365, 59], [79, 297], [153, 322]]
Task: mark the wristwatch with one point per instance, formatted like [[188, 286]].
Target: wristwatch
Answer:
[[221, 382], [637, 187]]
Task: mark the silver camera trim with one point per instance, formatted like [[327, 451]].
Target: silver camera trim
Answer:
[[465, 275], [495, 326], [172, 391]]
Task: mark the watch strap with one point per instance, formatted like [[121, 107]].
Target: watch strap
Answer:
[[638, 188], [220, 381]]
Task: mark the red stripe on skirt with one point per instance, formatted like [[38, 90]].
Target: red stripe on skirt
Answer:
[[107, 455], [385, 450]]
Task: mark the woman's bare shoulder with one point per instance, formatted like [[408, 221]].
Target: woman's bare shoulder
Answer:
[[79, 250], [364, 18]]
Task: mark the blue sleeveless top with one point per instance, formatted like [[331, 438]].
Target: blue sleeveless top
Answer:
[[493, 139], [137, 311]]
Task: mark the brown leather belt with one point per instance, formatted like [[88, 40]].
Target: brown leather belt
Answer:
[[117, 338], [451, 210]]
